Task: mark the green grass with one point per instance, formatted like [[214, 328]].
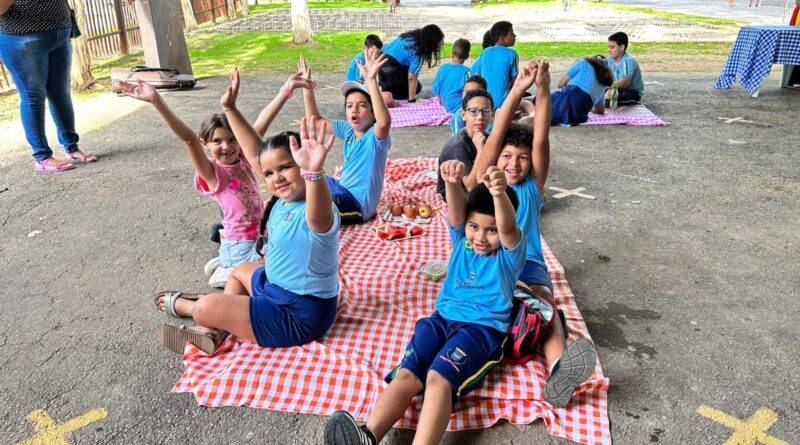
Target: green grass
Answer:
[[676, 15], [486, 3], [318, 5]]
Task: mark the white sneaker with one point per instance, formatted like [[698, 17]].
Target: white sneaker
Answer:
[[211, 266], [220, 277]]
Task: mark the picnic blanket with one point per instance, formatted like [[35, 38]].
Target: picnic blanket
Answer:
[[423, 112], [383, 294], [628, 114]]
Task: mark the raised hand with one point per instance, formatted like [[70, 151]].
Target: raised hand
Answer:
[[527, 75], [479, 139], [543, 75], [228, 100], [303, 69], [140, 90], [297, 80], [373, 61], [310, 154], [452, 171], [495, 180]]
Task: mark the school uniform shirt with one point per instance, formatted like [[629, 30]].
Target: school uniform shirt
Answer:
[[364, 165], [298, 259], [238, 197], [528, 217], [353, 73], [480, 288], [30, 16], [403, 51], [581, 74], [628, 67], [449, 84], [461, 148], [498, 65]]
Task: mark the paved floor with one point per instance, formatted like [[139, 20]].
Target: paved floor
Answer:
[[771, 11], [695, 313]]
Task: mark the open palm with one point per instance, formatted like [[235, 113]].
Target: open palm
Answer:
[[140, 90], [311, 153]]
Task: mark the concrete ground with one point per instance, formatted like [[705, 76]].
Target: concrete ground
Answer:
[[696, 306]]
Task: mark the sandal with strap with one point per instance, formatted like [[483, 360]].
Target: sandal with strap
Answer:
[[175, 337], [47, 167], [171, 296], [83, 158]]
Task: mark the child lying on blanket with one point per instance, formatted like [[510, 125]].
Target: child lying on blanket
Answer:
[[582, 90], [292, 299], [452, 350], [366, 139], [524, 157], [226, 178]]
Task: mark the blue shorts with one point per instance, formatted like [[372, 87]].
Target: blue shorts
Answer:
[[570, 106], [463, 353], [282, 319], [234, 252], [534, 273], [349, 208]]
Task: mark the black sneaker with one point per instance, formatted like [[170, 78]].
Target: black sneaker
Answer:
[[575, 367], [215, 232], [342, 429]]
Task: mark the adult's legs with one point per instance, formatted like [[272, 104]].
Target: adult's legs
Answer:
[[58, 90]]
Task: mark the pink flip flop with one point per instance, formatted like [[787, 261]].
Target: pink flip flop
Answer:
[[85, 158], [46, 167]]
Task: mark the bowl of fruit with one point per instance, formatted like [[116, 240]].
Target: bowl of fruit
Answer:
[[408, 213], [393, 232]]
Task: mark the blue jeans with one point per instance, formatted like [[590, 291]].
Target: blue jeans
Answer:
[[40, 65]]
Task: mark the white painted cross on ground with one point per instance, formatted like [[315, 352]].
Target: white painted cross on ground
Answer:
[[574, 192]]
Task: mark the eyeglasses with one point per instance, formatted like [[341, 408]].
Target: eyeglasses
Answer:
[[475, 111]]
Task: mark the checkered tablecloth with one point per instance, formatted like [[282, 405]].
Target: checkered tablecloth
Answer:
[[383, 293], [423, 112], [754, 52], [628, 114]]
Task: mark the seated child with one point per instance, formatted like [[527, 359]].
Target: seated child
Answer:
[[366, 139], [291, 300], [582, 90], [451, 351], [524, 156], [627, 73], [477, 111], [473, 82], [449, 82], [371, 41], [227, 178], [498, 63]]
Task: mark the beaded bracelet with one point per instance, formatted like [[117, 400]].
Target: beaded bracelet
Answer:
[[286, 91], [312, 175]]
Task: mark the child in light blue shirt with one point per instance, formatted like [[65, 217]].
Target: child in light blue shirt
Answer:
[[498, 64], [582, 90], [627, 73], [353, 73], [451, 351], [449, 82], [365, 133], [406, 56]]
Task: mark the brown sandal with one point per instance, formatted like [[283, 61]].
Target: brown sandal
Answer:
[[175, 337]]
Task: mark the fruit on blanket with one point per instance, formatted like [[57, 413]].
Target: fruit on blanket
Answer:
[[416, 230], [382, 231], [425, 211], [410, 211], [396, 209], [397, 232]]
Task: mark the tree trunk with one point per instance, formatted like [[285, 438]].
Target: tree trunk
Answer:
[[231, 9], [245, 7], [81, 72], [189, 20], [301, 22]]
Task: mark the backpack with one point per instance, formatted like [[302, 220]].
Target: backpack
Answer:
[[530, 323]]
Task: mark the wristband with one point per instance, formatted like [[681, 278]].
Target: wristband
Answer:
[[286, 91], [312, 175]]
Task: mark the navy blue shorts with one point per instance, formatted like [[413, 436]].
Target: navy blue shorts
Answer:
[[534, 273], [462, 353], [282, 319], [628, 96], [349, 208], [570, 106]]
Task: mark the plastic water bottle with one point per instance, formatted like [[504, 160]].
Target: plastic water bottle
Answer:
[[614, 96]]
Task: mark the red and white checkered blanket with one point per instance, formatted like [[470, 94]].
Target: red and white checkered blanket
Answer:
[[424, 112], [628, 114], [383, 293]]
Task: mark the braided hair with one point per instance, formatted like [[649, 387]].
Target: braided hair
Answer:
[[280, 141]]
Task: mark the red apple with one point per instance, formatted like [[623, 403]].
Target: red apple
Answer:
[[410, 211], [425, 211], [396, 209]]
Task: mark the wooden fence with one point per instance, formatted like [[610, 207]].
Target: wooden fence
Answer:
[[209, 10]]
